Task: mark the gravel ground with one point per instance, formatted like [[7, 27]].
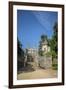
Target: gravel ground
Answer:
[[37, 74]]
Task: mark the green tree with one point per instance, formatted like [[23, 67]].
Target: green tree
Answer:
[[43, 37], [20, 55], [19, 48], [53, 41]]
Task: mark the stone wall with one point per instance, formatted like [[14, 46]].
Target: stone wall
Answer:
[[45, 62]]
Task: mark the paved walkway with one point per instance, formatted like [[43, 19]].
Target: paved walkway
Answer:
[[38, 74]]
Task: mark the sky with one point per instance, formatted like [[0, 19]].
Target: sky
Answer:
[[32, 24]]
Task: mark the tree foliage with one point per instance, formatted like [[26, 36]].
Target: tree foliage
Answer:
[[19, 48], [20, 55], [53, 41], [43, 37]]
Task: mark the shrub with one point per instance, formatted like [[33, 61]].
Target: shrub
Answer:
[[55, 66], [48, 54]]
